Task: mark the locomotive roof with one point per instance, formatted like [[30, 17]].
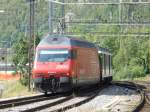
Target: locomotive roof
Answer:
[[65, 40], [103, 51]]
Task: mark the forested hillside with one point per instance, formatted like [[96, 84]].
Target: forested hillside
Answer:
[[129, 42]]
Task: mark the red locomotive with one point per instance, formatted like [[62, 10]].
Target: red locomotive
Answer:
[[63, 63]]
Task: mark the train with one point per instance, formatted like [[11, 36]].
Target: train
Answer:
[[63, 63]]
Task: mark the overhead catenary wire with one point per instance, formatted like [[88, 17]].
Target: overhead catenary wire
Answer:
[[119, 23], [111, 24], [113, 35], [98, 3]]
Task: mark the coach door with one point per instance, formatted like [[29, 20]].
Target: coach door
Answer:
[[75, 67]]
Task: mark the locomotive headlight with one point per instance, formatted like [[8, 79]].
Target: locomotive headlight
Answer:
[[34, 66], [72, 73], [68, 74]]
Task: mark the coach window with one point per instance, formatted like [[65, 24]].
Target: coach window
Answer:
[[100, 60], [73, 54], [104, 64], [109, 63]]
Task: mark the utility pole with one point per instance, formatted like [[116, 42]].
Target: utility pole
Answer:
[[120, 11], [51, 14], [4, 54], [34, 40], [31, 35], [62, 18]]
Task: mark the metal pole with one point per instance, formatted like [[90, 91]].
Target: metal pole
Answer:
[[119, 10], [29, 49], [63, 17], [6, 59], [50, 16], [4, 49], [31, 35], [34, 40]]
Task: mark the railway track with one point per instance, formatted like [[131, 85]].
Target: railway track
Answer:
[[146, 92], [71, 101], [18, 103], [41, 102], [38, 108], [146, 106], [147, 97], [26, 100], [61, 103], [144, 89], [74, 102]]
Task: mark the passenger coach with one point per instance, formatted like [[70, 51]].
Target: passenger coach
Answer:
[[106, 64]]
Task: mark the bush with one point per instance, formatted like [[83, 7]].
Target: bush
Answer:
[[129, 72], [146, 70], [24, 80], [137, 71], [23, 69], [123, 73]]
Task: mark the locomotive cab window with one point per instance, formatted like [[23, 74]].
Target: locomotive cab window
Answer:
[[53, 55]]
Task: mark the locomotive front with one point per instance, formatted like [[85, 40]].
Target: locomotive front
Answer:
[[52, 67]]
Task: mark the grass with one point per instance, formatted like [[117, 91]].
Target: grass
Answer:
[[146, 78], [13, 88]]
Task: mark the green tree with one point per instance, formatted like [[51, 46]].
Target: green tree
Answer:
[[20, 58]]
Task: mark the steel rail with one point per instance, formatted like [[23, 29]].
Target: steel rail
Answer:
[[76, 104], [48, 105], [6, 101], [147, 95], [91, 93], [147, 99], [86, 92], [146, 91], [142, 94], [27, 100]]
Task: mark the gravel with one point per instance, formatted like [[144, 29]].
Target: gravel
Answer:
[[111, 99], [69, 102]]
